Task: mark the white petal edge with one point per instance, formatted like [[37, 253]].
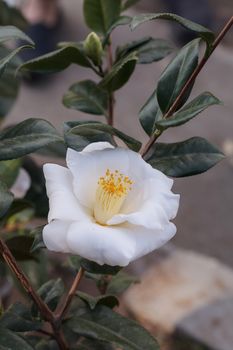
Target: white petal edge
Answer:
[[115, 245], [55, 236], [22, 184], [97, 146], [63, 204]]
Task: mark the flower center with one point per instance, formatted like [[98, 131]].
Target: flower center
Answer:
[[110, 195]]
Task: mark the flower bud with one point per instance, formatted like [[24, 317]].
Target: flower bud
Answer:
[[93, 48]]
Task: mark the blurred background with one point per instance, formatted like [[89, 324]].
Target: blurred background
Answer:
[[205, 220]]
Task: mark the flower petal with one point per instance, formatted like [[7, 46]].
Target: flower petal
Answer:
[[55, 234], [22, 184], [87, 167], [62, 202], [115, 245]]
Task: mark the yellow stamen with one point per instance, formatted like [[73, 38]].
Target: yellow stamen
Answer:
[[111, 193]]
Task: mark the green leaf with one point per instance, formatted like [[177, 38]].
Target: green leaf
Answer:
[[128, 3], [38, 242], [12, 341], [186, 158], [51, 292], [11, 16], [93, 267], [89, 344], [199, 30], [26, 137], [191, 110], [103, 324], [148, 49], [176, 75], [57, 60], [5, 61], [150, 113], [120, 282], [9, 85], [108, 300], [20, 247], [101, 14], [86, 96], [9, 170], [17, 206], [91, 130], [93, 48], [6, 198], [120, 73], [18, 319], [11, 32]]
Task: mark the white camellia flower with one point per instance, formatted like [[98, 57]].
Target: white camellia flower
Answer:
[[108, 206]]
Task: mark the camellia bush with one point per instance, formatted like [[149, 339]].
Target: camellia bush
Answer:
[[109, 205]]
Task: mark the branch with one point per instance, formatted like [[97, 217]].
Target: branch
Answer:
[[111, 95], [187, 85], [22, 278], [70, 296]]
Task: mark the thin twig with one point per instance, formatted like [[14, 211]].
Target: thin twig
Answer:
[[22, 278], [60, 315], [187, 85], [111, 95]]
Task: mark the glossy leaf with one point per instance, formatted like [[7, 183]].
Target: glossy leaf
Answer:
[[92, 130], [101, 14], [86, 96], [103, 324], [51, 292], [108, 300], [11, 340], [19, 246], [26, 137], [150, 113], [191, 110], [120, 73], [9, 84], [93, 267], [18, 319], [190, 157], [11, 32], [176, 75], [38, 242], [9, 170], [120, 282], [198, 29], [57, 60], [5, 60], [6, 198], [148, 49]]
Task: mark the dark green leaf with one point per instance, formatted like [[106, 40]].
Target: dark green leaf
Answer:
[[190, 157], [6, 198], [86, 96], [108, 300], [20, 247], [120, 73], [26, 137], [200, 31], [51, 292], [176, 75], [199, 104], [150, 113], [18, 319], [18, 206], [101, 14], [38, 242], [9, 170], [120, 282], [148, 49], [89, 344], [5, 61], [89, 132], [105, 325], [9, 15], [11, 32], [12, 341], [93, 267], [57, 60], [128, 3], [57, 150], [9, 85]]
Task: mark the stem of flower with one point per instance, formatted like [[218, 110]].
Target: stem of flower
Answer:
[[186, 86], [65, 306], [111, 95]]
